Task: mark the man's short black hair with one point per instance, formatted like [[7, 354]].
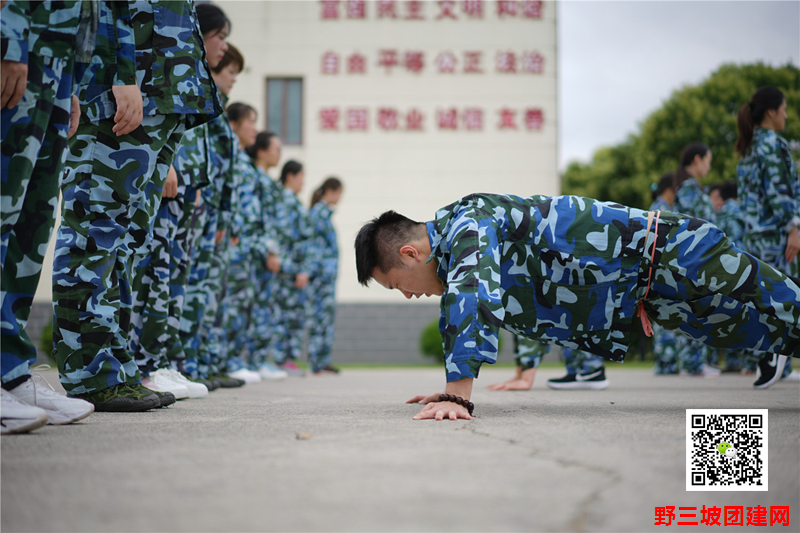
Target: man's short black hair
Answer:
[[379, 241]]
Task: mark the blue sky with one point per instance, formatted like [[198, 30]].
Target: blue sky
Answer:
[[618, 61]]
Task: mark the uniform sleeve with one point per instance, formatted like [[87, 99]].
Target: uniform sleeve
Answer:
[[273, 212], [472, 309], [779, 179], [15, 24], [300, 258], [692, 201], [126, 45]]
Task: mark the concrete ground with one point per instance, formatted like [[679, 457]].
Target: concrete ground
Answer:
[[540, 460]]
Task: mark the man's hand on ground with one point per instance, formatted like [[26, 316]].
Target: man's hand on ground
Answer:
[[442, 410], [13, 83], [422, 399], [434, 409]]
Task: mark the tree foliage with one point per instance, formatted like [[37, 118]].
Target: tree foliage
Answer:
[[706, 113]]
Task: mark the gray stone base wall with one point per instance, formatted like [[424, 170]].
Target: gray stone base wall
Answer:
[[365, 333]]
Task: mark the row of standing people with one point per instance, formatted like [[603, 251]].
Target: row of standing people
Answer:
[[764, 224], [149, 203]]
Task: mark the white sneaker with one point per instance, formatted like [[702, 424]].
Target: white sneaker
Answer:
[[160, 381], [794, 375], [18, 417], [196, 390], [248, 376], [710, 372], [60, 409], [272, 372]]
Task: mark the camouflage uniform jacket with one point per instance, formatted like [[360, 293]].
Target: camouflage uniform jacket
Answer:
[[171, 67], [324, 247], [769, 189], [270, 196], [293, 231], [223, 149], [46, 28], [191, 160], [560, 269], [247, 220], [690, 199], [730, 220], [113, 62], [660, 205]]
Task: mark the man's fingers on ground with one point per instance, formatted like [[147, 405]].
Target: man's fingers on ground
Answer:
[[416, 399]]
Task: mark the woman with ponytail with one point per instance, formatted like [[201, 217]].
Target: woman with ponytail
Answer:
[[290, 285], [690, 199], [325, 251], [769, 189]]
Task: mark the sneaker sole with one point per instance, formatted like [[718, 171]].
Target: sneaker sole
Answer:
[[126, 405], [24, 427], [64, 421], [580, 385]]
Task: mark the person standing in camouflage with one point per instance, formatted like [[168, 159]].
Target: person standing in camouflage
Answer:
[[768, 186], [665, 349], [575, 272], [247, 245], [267, 255], [290, 285], [40, 43], [160, 277], [691, 200], [324, 249], [111, 193], [730, 220]]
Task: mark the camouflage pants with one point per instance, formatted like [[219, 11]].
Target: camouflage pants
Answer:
[[772, 253], [288, 312], [718, 294], [238, 307], [110, 196], [34, 144], [263, 327], [692, 354], [529, 353], [665, 351], [321, 317], [159, 284], [150, 291], [200, 300], [212, 338]]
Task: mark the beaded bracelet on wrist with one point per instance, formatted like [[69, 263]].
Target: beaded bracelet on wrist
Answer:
[[457, 399]]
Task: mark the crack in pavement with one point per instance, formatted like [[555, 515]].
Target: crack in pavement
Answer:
[[579, 521]]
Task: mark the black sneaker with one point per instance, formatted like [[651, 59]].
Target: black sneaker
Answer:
[[227, 382], [122, 399], [771, 367], [595, 380], [165, 398]]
